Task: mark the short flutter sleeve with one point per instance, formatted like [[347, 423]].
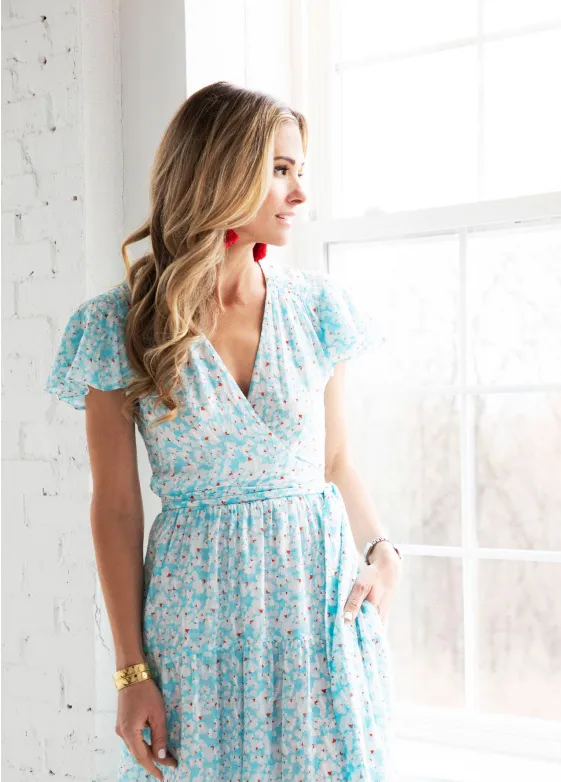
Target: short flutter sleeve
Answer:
[[346, 328], [92, 351]]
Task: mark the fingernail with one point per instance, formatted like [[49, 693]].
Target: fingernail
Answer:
[[161, 753], [348, 616]]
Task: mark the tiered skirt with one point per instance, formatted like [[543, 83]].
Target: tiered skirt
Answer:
[[243, 628]]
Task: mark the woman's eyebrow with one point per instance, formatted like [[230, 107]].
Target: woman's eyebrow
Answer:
[[290, 160]]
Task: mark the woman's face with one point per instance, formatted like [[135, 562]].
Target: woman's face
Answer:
[[285, 194]]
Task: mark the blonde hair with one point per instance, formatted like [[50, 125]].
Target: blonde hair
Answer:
[[212, 171]]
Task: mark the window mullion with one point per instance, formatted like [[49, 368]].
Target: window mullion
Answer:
[[468, 495]]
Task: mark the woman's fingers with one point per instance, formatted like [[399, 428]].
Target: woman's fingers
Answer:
[[357, 595], [158, 736], [142, 753], [141, 708], [376, 594]]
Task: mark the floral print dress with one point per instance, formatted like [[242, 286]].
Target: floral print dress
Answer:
[[251, 559]]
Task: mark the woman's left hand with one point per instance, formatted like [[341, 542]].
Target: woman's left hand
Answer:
[[377, 582]]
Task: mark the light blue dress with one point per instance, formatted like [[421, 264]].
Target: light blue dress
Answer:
[[251, 559]]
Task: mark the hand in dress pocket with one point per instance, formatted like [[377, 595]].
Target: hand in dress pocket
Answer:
[[376, 584]]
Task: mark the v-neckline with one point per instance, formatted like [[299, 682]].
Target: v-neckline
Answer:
[[260, 346]]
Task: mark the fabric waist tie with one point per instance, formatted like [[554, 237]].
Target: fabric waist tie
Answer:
[[244, 495]]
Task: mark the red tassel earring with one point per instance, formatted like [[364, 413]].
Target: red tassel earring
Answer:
[[259, 249], [231, 237]]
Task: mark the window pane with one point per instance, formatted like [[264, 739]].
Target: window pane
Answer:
[[411, 456], [514, 290], [407, 449], [369, 28], [412, 289], [518, 453], [522, 153], [425, 629], [501, 15], [520, 630], [409, 133]]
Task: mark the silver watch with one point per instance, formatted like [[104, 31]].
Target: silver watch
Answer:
[[370, 545]]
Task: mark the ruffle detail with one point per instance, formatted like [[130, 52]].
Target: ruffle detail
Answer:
[[92, 351], [263, 710], [245, 712], [345, 328]]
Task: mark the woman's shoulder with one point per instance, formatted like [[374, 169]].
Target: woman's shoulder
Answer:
[[344, 324], [304, 283], [91, 350], [322, 295], [115, 301]]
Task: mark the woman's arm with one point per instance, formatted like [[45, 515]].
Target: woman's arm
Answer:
[[117, 520], [378, 580], [340, 470]]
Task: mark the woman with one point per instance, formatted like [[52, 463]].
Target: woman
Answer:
[[265, 653]]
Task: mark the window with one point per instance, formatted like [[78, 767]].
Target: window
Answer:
[[435, 189]]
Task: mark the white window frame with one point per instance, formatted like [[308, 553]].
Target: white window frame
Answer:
[[314, 48]]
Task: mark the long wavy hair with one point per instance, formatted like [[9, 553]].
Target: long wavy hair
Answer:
[[212, 171]]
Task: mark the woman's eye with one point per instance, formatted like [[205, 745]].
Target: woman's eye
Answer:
[[285, 168]]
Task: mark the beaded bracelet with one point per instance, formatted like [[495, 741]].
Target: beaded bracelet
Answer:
[[368, 548]]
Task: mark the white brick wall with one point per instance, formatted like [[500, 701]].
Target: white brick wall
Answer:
[[48, 575], [87, 91]]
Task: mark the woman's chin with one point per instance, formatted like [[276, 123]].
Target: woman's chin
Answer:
[[280, 241]]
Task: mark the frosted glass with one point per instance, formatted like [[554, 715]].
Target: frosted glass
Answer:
[[407, 449], [412, 289], [409, 133], [374, 28], [522, 115], [520, 638], [514, 317], [518, 459], [502, 15], [425, 630]]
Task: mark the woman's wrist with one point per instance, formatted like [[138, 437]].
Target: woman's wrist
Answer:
[[124, 659], [383, 550]]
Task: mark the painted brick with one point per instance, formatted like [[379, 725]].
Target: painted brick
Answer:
[[30, 260], [64, 184], [18, 476], [64, 31], [48, 150], [32, 10], [45, 75], [8, 231], [25, 43], [13, 161], [49, 578], [41, 684], [8, 300], [8, 92], [56, 297], [27, 116], [52, 221], [19, 191]]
